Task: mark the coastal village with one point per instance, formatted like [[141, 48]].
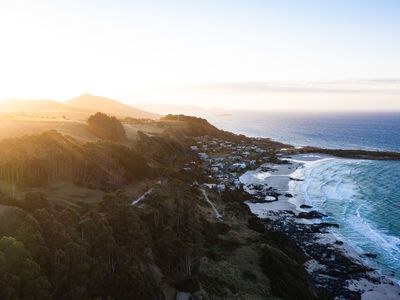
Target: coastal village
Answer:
[[224, 161]]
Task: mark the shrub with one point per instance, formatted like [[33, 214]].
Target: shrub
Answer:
[[288, 278]]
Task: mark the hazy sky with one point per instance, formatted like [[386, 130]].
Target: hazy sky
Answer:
[[236, 54]]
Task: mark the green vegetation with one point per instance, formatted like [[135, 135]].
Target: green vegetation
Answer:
[[106, 127], [288, 278], [282, 261], [107, 248], [108, 251], [195, 126], [42, 159]]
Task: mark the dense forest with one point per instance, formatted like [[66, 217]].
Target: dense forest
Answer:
[[40, 159], [110, 251]]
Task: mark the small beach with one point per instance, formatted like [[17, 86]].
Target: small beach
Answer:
[[283, 179]]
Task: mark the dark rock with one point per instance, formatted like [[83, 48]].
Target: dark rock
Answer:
[[274, 194], [371, 255], [311, 215], [318, 227], [258, 187], [295, 179], [305, 206], [288, 195], [331, 281]]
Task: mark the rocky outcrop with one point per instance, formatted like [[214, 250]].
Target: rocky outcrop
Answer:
[[311, 215]]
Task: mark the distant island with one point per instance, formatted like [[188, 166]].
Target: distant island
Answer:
[[224, 115]]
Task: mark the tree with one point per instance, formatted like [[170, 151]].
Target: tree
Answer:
[[35, 200], [20, 276], [106, 127]]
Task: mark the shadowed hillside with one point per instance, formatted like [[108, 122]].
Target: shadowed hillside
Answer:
[[116, 246], [41, 159]]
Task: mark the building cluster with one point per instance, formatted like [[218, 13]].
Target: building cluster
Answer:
[[224, 161]]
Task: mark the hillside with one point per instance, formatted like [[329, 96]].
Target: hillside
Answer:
[[30, 105], [142, 218], [92, 103], [78, 108], [104, 220]]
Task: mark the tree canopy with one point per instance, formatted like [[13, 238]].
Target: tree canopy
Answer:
[[106, 127]]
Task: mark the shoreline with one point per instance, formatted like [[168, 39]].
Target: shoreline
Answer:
[[280, 178], [273, 187]]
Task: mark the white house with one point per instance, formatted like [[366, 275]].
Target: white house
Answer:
[[203, 156], [220, 187]]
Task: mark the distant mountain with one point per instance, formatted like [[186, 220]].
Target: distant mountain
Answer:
[[92, 103]]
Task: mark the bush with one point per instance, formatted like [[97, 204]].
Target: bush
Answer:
[[34, 200], [288, 278], [256, 224], [134, 163]]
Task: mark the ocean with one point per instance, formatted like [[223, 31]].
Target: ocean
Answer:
[[362, 196]]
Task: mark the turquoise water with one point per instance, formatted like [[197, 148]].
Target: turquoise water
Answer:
[[362, 196]]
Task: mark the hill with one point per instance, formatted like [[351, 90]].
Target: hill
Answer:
[[92, 103], [98, 220], [32, 106], [78, 108]]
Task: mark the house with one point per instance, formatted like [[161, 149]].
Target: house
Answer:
[[203, 156], [218, 165], [215, 169], [235, 157], [220, 188], [238, 166], [237, 183], [219, 159]]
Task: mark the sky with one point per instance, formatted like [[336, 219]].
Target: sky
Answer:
[[296, 55]]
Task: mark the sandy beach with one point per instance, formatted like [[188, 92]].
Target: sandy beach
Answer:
[[282, 178]]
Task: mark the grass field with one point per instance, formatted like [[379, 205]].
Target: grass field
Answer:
[[62, 193], [16, 127], [22, 125]]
